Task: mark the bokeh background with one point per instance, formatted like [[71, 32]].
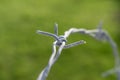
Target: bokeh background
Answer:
[[23, 53]]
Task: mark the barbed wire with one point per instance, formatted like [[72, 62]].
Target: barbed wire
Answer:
[[61, 40]]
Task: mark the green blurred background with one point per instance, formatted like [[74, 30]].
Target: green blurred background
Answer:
[[23, 53]]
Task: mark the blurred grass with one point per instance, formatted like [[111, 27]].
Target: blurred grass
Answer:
[[23, 53]]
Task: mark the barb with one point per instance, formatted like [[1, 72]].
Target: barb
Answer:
[[56, 29], [60, 42], [74, 44], [48, 34]]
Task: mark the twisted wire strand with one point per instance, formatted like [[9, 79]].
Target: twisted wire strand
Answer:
[[59, 52], [116, 57], [98, 34], [43, 75], [45, 71], [103, 35]]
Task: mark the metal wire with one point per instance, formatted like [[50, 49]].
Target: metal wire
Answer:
[[43, 75], [98, 34], [116, 57], [60, 41]]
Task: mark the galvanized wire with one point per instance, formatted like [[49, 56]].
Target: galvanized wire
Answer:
[[43, 75], [98, 34], [60, 42]]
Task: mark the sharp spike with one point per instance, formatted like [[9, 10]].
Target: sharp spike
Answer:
[[74, 44], [48, 34], [56, 29], [99, 27]]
